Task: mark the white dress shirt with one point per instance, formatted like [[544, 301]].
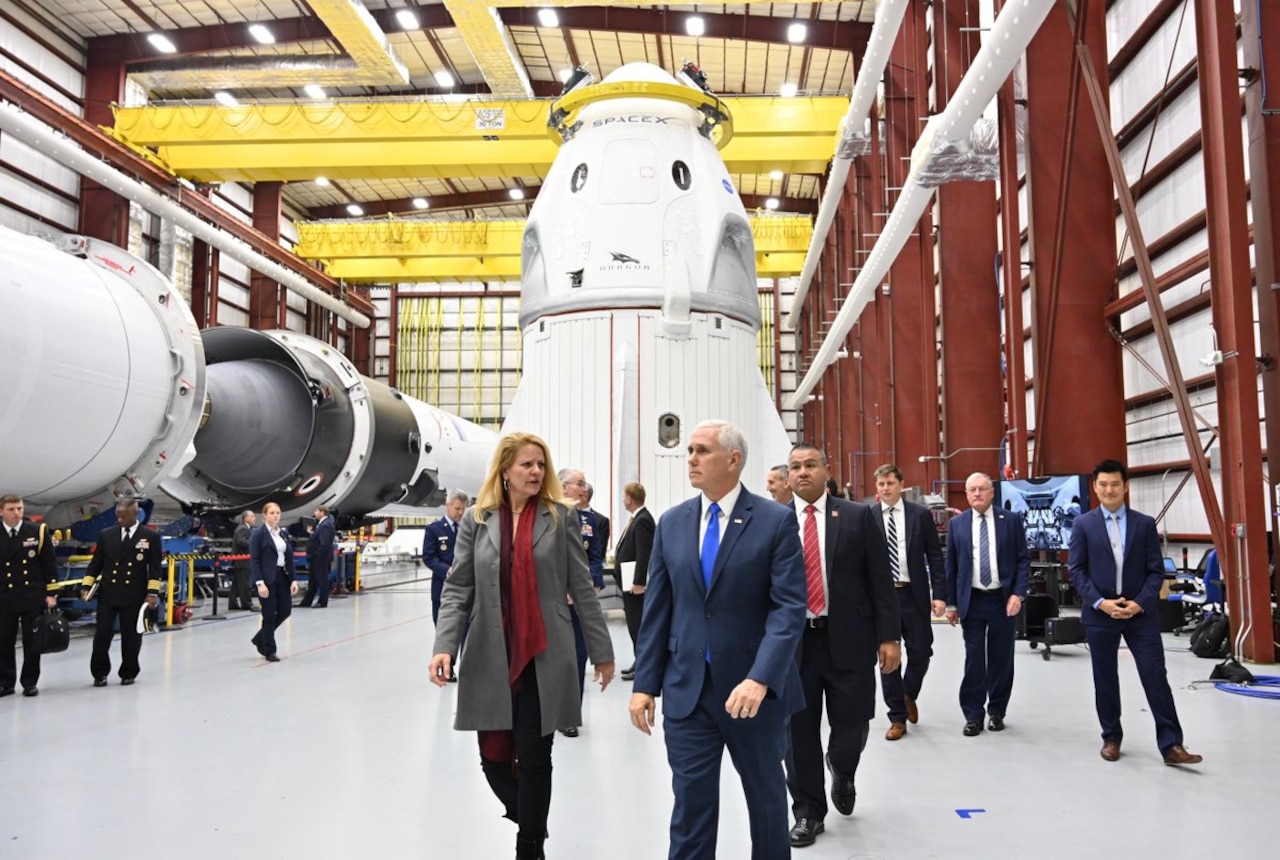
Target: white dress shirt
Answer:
[[727, 503]]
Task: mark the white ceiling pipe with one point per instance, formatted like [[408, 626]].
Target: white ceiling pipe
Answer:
[[44, 138], [1012, 31], [884, 32]]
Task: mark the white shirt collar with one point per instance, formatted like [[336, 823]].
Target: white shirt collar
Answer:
[[727, 502], [820, 504]]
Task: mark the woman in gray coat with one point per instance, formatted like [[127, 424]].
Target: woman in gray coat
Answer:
[[518, 554]]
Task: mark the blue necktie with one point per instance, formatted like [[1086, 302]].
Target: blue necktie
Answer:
[[711, 544], [984, 551]]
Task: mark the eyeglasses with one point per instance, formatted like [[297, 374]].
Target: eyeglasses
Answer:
[[977, 491]]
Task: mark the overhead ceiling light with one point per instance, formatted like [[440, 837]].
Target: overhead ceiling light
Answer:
[[406, 19], [695, 26], [354, 210], [420, 203], [796, 33], [775, 175], [444, 79], [161, 43], [314, 91], [262, 34], [225, 99], [322, 181], [771, 203], [548, 18], [516, 193], [788, 90]]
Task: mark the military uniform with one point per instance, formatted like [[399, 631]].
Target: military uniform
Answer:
[[589, 525], [129, 570], [28, 574], [437, 555]]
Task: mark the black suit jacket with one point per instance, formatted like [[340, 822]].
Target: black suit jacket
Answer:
[[28, 568], [264, 563], [862, 609], [922, 546], [320, 545], [637, 544], [130, 570]]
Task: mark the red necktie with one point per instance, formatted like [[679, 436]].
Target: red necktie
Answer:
[[813, 563]]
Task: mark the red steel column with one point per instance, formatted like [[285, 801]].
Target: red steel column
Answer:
[[973, 397], [266, 298], [911, 308], [1079, 390], [1232, 296], [103, 213], [1263, 121]]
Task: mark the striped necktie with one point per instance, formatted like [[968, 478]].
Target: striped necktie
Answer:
[[813, 563], [892, 528], [984, 551]]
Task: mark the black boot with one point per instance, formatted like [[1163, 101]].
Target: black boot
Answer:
[[529, 849], [502, 780]]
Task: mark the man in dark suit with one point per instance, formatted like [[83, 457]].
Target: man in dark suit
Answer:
[[127, 559], [724, 610], [240, 593], [1117, 569], [634, 548], [987, 572], [575, 490], [27, 587], [319, 559], [919, 580], [851, 619]]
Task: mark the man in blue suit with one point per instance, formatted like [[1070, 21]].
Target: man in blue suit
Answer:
[[319, 559], [437, 546], [723, 614], [987, 571], [1117, 568]]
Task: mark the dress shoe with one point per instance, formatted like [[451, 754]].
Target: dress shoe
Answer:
[[1177, 754], [972, 728], [571, 732], [271, 658], [126, 682], [31, 692], [896, 731], [1110, 751], [806, 831], [843, 793], [100, 681], [913, 713], [996, 724], [6, 691]]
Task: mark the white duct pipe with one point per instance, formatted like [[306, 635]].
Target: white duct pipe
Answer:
[[1010, 34], [43, 138], [884, 32]]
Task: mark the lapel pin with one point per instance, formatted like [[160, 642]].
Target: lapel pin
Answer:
[[835, 514], [739, 522]]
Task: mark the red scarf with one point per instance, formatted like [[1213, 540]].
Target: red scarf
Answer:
[[522, 624]]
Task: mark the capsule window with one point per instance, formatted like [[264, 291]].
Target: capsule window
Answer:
[[669, 430], [680, 173], [579, 178]]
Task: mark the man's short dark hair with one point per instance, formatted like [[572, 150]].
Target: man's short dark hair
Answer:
[[809, 446], [1108, 467], [127, 503], [10, 499], [889, 469], [322, 510]]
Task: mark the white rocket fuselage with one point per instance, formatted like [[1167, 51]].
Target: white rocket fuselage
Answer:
[[639, 302]]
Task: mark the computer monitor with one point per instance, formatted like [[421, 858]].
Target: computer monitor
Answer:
[[1048, 507]]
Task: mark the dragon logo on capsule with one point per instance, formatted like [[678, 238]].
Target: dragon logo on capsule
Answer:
[[623, 258]]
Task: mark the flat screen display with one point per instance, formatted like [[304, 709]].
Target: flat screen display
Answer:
[[1047, 507]]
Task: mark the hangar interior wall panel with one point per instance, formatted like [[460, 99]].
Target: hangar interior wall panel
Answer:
[[1144, 77], [1179, 121], [26, 59]]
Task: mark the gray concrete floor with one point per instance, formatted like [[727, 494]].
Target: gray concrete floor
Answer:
[[344, 749]]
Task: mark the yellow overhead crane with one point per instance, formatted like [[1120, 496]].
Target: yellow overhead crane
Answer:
[[405, 251], [435, 139]]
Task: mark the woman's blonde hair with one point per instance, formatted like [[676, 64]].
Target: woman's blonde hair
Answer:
[[492, 492]]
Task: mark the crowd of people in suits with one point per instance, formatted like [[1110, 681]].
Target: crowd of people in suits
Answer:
[[753, 618]]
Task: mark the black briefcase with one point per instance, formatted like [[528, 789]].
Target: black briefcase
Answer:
[[52, 632]]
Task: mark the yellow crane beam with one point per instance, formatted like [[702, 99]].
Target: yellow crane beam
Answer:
[[408, 251], [435, 139]]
